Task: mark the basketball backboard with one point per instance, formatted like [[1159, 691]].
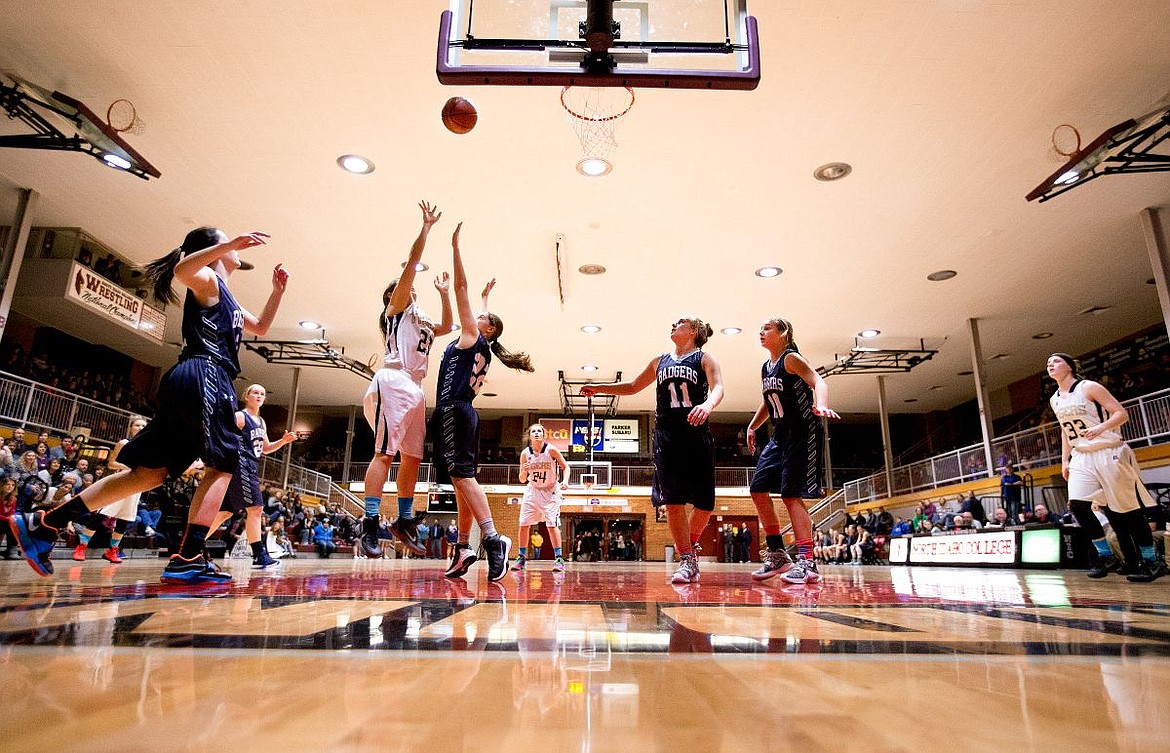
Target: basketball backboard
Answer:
[[60, 122], [681, 44]]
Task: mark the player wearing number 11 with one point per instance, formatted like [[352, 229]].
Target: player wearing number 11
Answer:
[[690, 386]]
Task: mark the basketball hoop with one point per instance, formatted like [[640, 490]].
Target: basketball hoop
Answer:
[[123, 118], [1066, 141], [594, 113]]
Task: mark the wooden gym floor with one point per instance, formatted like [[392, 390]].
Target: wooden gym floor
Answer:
[[354, 655]]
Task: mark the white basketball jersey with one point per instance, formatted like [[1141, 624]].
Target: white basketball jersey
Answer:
[[542, 468], [1075, 413], [408, 341]]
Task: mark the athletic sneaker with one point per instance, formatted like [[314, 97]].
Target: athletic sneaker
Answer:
[[496, 549], [559, 565], [803, 571], [688, 570], [199, 569], [776, 562], [1149, 572], [461, 561], [406, 531], [35, 542], [111, 555], [369, 539], [520, 563], [1103, 566], [265, 562], [79, 552]]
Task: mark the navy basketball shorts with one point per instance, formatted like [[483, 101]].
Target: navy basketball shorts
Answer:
[[244, 489], [196, 420], [454, 432], [790, 467], [684, 467]]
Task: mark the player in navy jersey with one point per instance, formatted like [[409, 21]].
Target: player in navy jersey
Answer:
[[196, 405], [244, 492], [454, 426], [689, 386], [795, 399], [394, 404]]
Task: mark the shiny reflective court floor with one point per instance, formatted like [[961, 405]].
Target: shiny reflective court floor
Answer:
[[388, 655]]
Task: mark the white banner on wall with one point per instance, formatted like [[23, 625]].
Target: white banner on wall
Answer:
[[620, 435], [994, 548], [114, 302]]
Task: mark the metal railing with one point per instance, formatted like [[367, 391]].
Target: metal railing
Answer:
[[38, 406], [300, 479], [1149, 424]]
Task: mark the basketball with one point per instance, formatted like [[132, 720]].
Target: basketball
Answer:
[[459, 115]]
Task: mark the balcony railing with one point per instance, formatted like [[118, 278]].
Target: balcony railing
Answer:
[[1149, 424], [38, 406]]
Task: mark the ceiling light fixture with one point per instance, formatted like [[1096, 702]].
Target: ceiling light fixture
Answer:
[[1094, 309], [588, 367], [731, 330], [592, 167], [1041, 335], [832, 171], [869, 333], [418, 267], [356, 164], [942, 274], [591, 269], [591, 329], [309, 324], [768, 271]]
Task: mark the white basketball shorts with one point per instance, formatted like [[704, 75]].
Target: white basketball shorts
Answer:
[[395, 408]]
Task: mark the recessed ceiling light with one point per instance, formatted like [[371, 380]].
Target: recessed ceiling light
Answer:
[[588, 367], [591, 167], [942, 274], [309, 324], [910, 400], [591, 329], [998, 356], [768, 271], [869, 333], [936, 387], [356, 164], [591, 269], [113, 160], [1041, 335], [731, 330], [489, 394], [966, 373], [419, 267], [1094, 309], [832, 171]]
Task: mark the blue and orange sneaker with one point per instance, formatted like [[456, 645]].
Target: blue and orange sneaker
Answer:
[[198, 569], [36, 540]]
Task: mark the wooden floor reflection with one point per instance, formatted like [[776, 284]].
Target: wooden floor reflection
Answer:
[[360, 655]]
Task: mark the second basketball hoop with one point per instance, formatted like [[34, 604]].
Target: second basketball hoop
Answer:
[[594, 113]]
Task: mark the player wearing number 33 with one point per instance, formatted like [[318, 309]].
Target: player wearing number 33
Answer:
[[1100, 467], [690, 386]]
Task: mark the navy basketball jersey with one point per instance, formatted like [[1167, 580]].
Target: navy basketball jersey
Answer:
[[461, 372], [214, 331], [253, 436], [788, 397], [682, 384]]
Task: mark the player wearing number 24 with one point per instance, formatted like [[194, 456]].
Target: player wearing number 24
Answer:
[[690, 386]]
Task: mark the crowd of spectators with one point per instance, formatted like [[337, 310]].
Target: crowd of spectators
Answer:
[[105, 385]]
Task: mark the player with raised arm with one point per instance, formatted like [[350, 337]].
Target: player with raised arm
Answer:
[[539, 462], [689, 386], [795, 399], [454, 425], [394, 404], [196, 406]]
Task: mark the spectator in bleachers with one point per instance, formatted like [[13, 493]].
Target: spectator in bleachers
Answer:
[[8, 504], [42, 453], [1041, 516], [1011, 488], [884, 523], [323, 538], [927, 528], [967, 522], [902, 527], [999, 519], [18, 438], [973, 505]]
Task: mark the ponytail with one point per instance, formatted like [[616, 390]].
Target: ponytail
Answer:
[[518, 361], [785, 326], [161, 271], [703, 332]]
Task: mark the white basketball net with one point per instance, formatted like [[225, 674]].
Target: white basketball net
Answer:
[[594, 114]]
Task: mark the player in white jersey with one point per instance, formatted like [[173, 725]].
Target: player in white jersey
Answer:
[[1100, 467], [539, 462], [123, 511], [394, 404]]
